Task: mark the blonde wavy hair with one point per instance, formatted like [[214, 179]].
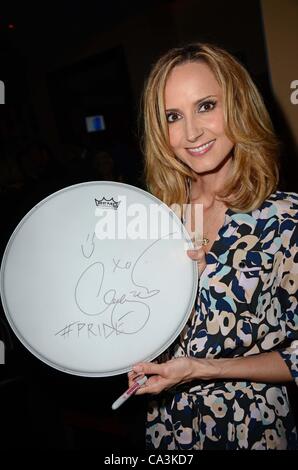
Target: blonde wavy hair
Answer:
[[255, 169]]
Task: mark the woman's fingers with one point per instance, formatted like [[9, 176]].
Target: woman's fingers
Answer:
[[163, 376], [132, 376], [155, 384], [148, 368], [153, 389], [155, 373], [199, 256]]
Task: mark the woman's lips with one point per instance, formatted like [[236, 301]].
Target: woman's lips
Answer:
[[201, 149]]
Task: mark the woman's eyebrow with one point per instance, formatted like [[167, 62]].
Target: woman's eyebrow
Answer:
[[195, 103]]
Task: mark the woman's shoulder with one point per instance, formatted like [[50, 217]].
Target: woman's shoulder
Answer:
[[282, 204], [279, 196]]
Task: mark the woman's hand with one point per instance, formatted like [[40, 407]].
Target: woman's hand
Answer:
[[162, 376], [199, 256], [176, 371]]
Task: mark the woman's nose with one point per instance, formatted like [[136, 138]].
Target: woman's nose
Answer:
[[193, 130]]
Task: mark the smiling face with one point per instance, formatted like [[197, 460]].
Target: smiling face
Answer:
[[194, 110]]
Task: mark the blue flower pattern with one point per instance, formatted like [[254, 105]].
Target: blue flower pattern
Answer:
[[247, 304]]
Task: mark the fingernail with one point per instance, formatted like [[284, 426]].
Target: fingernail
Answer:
[[137, 369]]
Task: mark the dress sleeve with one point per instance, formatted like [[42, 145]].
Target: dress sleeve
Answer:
[[288, 296]]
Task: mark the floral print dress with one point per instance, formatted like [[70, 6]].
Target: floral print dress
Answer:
[[247, 304]]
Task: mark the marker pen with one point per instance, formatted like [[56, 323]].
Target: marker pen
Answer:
[[138, 383]]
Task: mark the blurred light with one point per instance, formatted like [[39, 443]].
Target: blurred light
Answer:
[[95, 123], [11, 26]]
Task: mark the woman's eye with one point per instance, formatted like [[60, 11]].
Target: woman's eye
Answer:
[[172, 117], [207, 106]]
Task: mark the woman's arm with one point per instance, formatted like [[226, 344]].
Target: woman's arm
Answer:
[[264, 368]]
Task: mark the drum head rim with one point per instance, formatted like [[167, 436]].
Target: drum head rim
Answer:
[[20, 336]]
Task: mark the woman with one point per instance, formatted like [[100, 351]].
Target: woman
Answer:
[[209, 140]]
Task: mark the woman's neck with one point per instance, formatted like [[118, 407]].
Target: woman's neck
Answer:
[[206, 187]]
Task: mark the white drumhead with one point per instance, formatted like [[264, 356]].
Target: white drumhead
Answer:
[[95, 278]]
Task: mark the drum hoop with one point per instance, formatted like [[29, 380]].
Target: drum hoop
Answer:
[[4, 261]]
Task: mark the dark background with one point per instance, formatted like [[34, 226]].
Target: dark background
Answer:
[[60, 62]]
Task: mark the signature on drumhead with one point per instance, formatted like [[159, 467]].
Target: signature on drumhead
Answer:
[[117, 311]]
